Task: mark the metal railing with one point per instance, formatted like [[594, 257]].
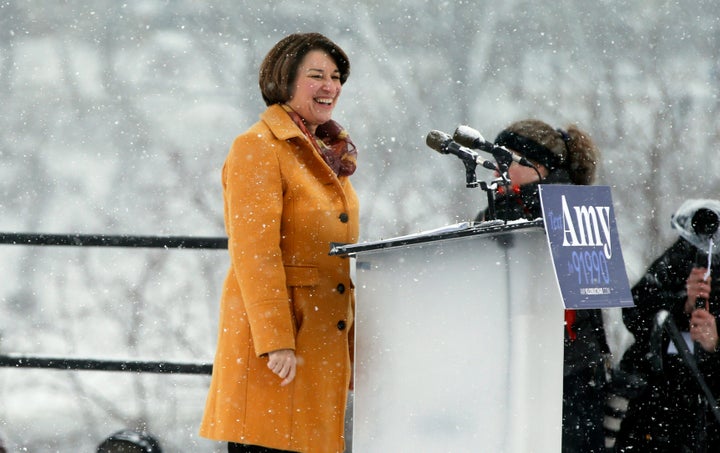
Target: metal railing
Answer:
[[96, 240], [92, 240]]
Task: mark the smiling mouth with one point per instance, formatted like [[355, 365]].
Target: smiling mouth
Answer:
[[324, 101]]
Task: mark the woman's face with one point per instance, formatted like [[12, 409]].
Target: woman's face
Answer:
[[316, 90], [521, 175]]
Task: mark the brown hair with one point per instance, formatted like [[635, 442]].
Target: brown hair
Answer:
[[278, 69], [571, 149]]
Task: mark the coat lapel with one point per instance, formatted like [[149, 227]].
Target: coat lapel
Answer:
[[284, 129]]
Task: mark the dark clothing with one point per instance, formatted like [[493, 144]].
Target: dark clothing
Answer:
[[584, 384], [583, 364], [670, 414], [583, 412], [584, 390]]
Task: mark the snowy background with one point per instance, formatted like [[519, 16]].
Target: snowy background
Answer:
[[115, 118]]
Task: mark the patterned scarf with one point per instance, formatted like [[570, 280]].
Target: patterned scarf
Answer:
[[334, 144]]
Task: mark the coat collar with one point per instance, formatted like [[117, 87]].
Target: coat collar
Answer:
[[284, 128], [280, 123]]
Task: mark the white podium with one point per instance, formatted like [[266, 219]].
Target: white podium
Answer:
[[459, 342]]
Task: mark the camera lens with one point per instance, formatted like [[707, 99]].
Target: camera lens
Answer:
[[705, 221]]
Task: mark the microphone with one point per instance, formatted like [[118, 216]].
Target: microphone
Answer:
[[444, 144], [467, 136], [705, 222], [701, 260]]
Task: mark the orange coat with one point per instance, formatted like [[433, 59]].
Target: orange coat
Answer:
[[283, 207]]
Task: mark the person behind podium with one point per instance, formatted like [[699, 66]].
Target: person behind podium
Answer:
[[561, 156], [282, 368], [671, 414]]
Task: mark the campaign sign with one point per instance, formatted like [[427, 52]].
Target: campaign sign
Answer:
[[584, 244]]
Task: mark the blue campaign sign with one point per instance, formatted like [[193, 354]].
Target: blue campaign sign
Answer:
[[585, 247]]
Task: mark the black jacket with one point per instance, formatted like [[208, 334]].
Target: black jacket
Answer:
[[669, 411], [663, 288], [586, 351]]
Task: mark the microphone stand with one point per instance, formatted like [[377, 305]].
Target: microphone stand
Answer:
[[491, 189], [503, 161], [490, 199], [470, 176], [471, 182]]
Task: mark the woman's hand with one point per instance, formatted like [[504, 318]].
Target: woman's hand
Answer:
[[703, 329], [283, 363], [696, 286]]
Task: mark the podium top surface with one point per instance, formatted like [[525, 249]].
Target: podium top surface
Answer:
[[459, 230]]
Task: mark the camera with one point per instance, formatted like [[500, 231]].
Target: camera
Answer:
[[705, 222]]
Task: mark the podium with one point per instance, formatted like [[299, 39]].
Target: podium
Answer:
[[458, 341]]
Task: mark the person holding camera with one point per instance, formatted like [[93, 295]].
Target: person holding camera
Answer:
[[671, 414]]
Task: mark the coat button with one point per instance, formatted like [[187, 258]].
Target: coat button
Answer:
[[340, 288], [341, 325], [344, 217]]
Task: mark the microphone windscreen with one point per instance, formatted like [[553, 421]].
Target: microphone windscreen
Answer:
[[470, 138], [437, 140]]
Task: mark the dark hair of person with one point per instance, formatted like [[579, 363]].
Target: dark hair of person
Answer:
[[571, 149], [279, 68]]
